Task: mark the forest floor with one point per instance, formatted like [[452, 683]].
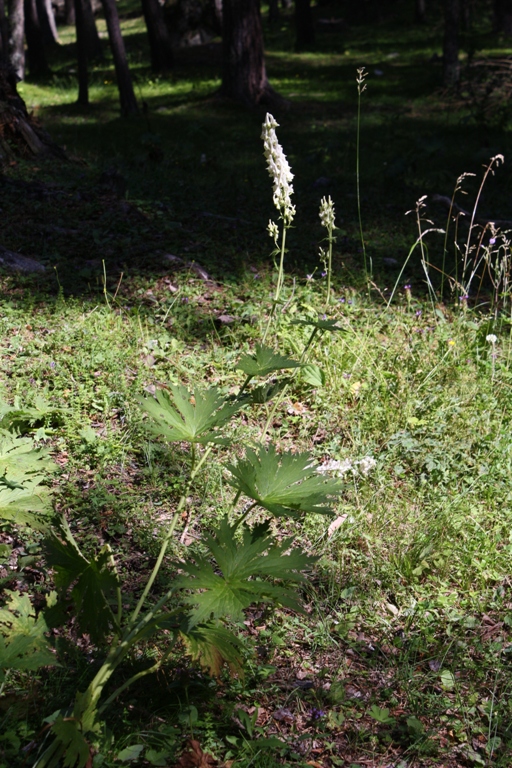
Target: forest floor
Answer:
[[159, 271]]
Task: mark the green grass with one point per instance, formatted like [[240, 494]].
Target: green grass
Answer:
[[404, 650]]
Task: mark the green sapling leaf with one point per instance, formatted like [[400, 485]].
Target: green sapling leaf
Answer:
[[213, 646], [92, 581], [265, 361], [286, 484], [23, 644], [185, 417], [22, 470], [313, 374], [237, 577]]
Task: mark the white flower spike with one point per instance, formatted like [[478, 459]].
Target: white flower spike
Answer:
[[327, 213], [278, 169]]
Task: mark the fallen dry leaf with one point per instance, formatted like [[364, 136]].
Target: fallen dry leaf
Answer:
[[194, 757]]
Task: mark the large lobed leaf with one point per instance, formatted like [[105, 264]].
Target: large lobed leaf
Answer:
[[22, 470], [183, 416], [265, 361], [23, 644], [213, 645], [92, 581], [238, 576], [285, 484]]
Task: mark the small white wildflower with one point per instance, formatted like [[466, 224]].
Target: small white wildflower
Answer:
[[278, 169], [491, 338], [366, 465], [338, 468], [273, 230], [327, 213]]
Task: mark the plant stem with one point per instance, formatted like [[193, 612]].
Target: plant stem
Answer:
[[281, 395], [361, 85], [163, 549], [279, 285]]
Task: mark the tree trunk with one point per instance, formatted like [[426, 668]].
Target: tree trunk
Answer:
[[304, 26], [81, 47], [244, 76], [503, 17], [451, 67], [47, 21], [273, 11], [92, 38], [69, 10], [124, 78], [162, 58], [4, 34], [17, 37], [19, 133], [421, 11], [36, 53]]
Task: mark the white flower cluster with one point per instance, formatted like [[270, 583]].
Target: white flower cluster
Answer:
[[339, 468], [491, 338], [327, 213], [273, 231], [279, 170]]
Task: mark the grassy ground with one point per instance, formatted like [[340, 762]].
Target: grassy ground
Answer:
[[403, 654]]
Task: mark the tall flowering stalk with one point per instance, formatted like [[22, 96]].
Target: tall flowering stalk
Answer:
[[281, 175], [327, 221], [361, 87]]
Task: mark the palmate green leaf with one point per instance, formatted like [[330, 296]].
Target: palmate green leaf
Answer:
[[213, 646], [185, 417], [19, 458], [20, 418], [265, 361], [76, 751], [286, 484], [238, 577], [92, 581], [23, 644], [28, 505], [22, 470]]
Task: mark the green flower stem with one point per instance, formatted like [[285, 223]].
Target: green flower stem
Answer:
[[281, 395], [361, 86], [279, 285], [193, 472], [245, 514], [86, 703], [244, 385], [136, 677], [329, 270]]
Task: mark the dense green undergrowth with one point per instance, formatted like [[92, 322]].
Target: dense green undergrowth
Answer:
[[159, 274]]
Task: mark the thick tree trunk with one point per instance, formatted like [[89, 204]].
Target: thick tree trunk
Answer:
[[47, 21], [69, 10], [19, 133], [17, 37], [451, 67], [81, 46], [244, 76], [124, 78], [4, 34], [162, 58], [92, 38], [36, 53], [503, 17], [304, 26], [273, 11], [421, 11]]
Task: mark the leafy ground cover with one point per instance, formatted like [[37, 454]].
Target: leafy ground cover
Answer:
[[159, 273]]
